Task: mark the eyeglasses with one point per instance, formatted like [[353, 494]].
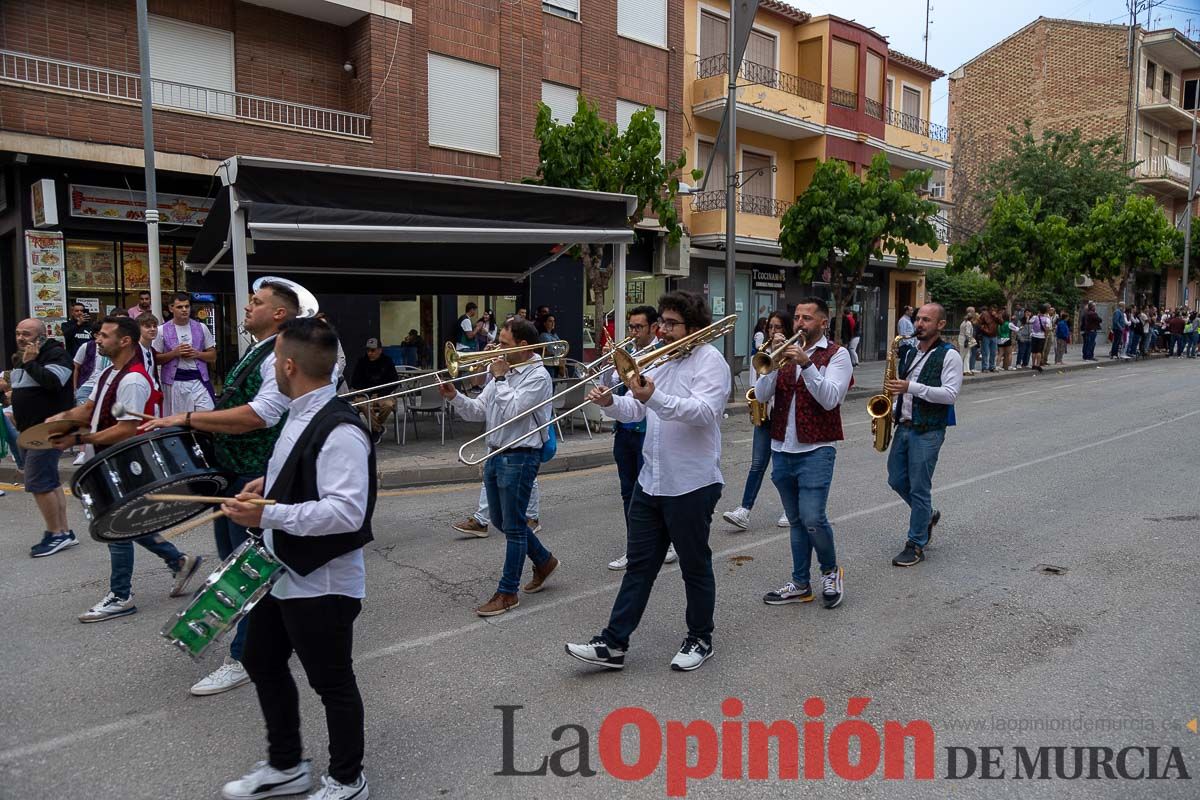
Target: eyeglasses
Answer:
[[668, 324], [634, 327]]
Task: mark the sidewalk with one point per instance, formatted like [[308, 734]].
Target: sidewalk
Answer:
[[425, 461]]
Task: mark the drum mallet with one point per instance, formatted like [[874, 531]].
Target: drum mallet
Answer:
[[119, 410]]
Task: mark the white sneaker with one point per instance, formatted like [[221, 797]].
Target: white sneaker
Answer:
[[739, 517], [110, 607], [672, 556], [619, 563], [79, 459], [229, 675], [332, 790], [266, 781], [691, 655], [783, 522], [598, 652]]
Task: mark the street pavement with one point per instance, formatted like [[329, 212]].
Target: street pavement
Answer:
[[1057, 608]]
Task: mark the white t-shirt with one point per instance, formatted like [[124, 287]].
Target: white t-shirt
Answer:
[[467, 325], [102, 363], [184, 335], [133, 392]]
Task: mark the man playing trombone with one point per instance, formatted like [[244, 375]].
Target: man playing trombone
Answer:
[[678, 487], [519, 383]]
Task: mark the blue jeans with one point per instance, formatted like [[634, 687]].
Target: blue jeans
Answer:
[[656, 521], [760, 459], [1022, 354], [229, 536], [803, 481], [1135, 339], [911, 462], [1176, 344], [120, 554], [1116, 343], [508, 479], [1089, 345], [10, 436], [989, 352], [627, 452], [1191, 344], [974, 357]]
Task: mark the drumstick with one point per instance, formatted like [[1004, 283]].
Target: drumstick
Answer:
[[119, 410], [191, 524], [195, 498]]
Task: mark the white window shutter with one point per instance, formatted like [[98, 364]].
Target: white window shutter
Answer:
[[563, 101], [191, 66], [464, 105], [570, 6], [625, 112], [643, 20]]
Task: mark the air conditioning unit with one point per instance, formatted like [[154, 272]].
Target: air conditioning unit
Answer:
[[673, 262], [1083, 282]]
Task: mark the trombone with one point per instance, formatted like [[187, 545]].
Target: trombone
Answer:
[[767, 361], [630, 366]]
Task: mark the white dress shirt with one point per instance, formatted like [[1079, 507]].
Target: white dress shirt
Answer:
[[952, 377], [682, 451], [524, 386], [269, 403], [343, 485], [828, 386], [133, 392]]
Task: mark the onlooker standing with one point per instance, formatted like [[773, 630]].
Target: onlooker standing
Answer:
[[376, 369], [490, 331], [1004, 341], [966, 339], [989, 323], [1090, 323], [1039, 327], [10, 426], [1133, 332], [143, 306], [1176, 326], [77, 331], [1023, 338], [468, 329], [1117, 331], [855, 336], [186, 348], [1062, 337], [760, 334], [904, 326], [1192, 331], [148, 326], [547, 332]]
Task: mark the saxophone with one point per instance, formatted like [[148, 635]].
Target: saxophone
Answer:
[[758, 411], [879, 407]]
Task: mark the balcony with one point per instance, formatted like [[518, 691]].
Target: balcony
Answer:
[[769, 101], [921, 127], [757, 217], [915, 143], [1155, 107], [125, 87], [1164, 175], [758, 74]]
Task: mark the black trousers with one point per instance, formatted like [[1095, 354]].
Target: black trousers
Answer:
[[320, 630], [655, 522]]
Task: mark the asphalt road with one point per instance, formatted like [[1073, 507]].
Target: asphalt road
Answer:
[[1091, 473]]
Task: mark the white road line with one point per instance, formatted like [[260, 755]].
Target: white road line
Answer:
[[1007, 396], [408, 644]]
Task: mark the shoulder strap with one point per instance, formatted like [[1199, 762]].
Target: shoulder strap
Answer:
[[248, 365]]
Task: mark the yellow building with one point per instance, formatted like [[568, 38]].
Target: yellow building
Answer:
[[810, 88]]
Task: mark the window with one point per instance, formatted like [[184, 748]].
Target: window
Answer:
[[562, 8], [757, 185], [714, 35], [1151, 74], [191, 66], [716, 179], [1190, 89], [761, 49], [563, 101], [844, 75], [625, 112], [911, 98], [874, 88], [1167, 79], [464, 105], [643, 20]]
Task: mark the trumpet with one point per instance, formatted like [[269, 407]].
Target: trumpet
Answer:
[[767, 361], [628, 365], [456, 361]]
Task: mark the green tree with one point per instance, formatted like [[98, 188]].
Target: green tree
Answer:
[[957, 290], [589, 153], [1019, 246], [841, 222], [1122, 235]]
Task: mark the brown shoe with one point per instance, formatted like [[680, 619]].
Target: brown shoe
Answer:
[[540, 574], [471, 527], [498, 605], [534, 525]]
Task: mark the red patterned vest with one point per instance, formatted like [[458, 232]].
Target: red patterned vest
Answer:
[[813, 423], [106, 419]]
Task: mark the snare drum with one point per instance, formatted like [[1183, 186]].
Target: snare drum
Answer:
[[227, 596], [113, 485]]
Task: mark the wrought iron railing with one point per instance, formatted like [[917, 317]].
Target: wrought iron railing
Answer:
[[874, 108], [115, 85], [1161, 166], [762, 75], [843, 98], [922, 127], [746, 204]]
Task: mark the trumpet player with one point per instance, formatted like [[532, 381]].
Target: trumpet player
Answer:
[[519, 383], [806, 425], [929, 378], [677, 488]]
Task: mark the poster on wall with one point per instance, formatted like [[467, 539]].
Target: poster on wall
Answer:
[[91, 265], [44, 203], [47, 282], [129, 205], [135, 267]]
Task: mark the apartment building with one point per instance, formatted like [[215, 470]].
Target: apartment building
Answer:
[[441, 86], [810, 89], [1106, 80]]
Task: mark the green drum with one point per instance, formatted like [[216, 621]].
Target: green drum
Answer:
[[227, 596]]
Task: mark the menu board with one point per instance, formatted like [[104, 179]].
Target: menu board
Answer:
[[47, 282], [130, 205], [91, 265], [135, 264]]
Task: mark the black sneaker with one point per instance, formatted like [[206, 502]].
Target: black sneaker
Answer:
[[598, 652], [934, 519], [51, 543], [789, 593], [910, 556], [832, 588], [377, 436]]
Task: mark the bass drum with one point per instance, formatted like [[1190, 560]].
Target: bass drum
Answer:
[[113, 485]]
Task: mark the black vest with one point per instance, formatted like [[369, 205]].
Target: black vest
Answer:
[[297, 483]]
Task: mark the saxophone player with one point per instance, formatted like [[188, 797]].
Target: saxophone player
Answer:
[[806, 425], [928, 380]]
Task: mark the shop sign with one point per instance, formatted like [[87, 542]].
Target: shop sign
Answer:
[[47, 280], [769, 278], [90, 304], [101, 202], [44, 201]]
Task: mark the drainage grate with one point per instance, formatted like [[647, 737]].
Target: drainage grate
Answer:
[[1051, 569]]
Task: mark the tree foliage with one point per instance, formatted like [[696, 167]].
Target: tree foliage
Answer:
[[1019, 247], [1122, 235], [841, 222], [590, 153], [957, 290]]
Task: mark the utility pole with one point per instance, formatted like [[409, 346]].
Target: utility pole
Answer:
[[928, 5], [731, 181], [1187, 219], [148, 149]]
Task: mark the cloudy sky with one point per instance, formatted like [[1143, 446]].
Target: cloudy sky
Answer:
[[961, 29]]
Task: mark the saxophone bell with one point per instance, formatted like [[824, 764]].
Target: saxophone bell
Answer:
[[879, 407]]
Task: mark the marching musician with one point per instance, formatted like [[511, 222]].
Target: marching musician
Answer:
[[518, 383], [246, 423], [928, 379], [322, 476], [806, 425], [629, 437], [124, 381], [677, 489]]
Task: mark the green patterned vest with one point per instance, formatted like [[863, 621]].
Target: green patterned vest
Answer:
[[246, 453]]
